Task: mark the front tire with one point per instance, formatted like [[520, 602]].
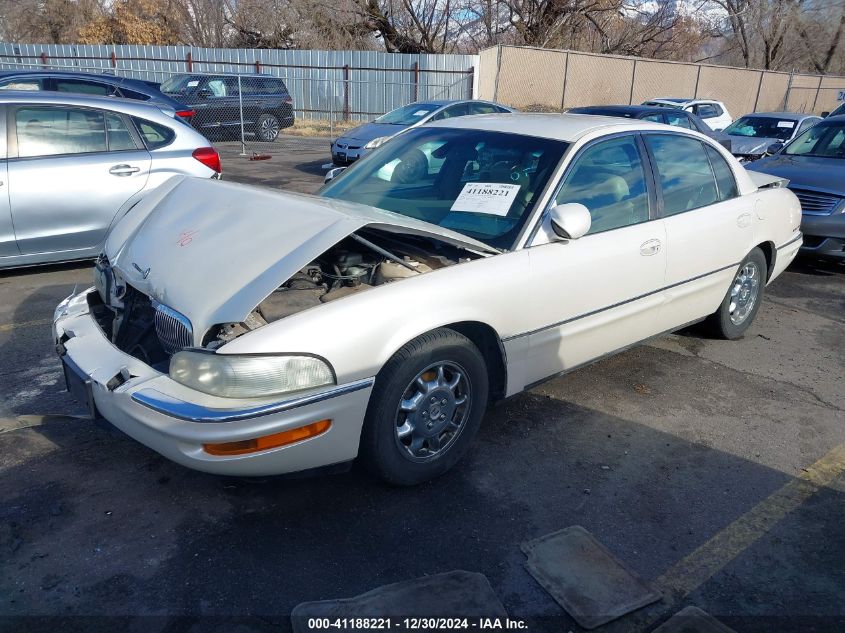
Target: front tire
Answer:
[[426, 406], [742, 301]]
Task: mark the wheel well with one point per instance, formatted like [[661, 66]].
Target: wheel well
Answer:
[[488, 342], [769, 252]]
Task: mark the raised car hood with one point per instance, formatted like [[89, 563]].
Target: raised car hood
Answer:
[[750, 144], [214, 250]]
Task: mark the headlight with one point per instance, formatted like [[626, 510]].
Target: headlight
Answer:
[[376, 142], [233, 376]]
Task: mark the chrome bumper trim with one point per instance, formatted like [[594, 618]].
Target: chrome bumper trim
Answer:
[[173, 407]]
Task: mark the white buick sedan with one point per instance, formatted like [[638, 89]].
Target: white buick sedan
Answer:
[[244, 331]]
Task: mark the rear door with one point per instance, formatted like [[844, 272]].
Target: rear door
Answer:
[[709, 226], [70, 171]]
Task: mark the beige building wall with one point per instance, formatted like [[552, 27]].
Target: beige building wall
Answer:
[[532, 78]]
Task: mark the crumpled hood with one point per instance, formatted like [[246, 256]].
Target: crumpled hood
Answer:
[[750, 144], [369, 131], [806, 172], [214, 250]]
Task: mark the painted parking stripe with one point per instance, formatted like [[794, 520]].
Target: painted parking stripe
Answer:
[[718, 552], [14, 326]]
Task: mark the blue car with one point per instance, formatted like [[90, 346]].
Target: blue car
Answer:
[[814, 163], [90, 84]]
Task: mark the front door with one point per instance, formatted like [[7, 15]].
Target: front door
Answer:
[[602, 292], [70, 171]]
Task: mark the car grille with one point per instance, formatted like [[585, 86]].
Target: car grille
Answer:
[[815, 203], [174, 330]]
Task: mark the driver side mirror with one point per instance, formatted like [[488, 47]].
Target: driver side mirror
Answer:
[[570, 221], [333, 173], [825, 114], [774, 148]]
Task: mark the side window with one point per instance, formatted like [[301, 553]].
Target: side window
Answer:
[[20, 83], [679, 119], [217, 87], [133, 94], [120, 138], [501, 109], [608, 178], [656, 118], [54, 131], [459, 109], [805, 125], [155, 135], [706, 111], [84, 87], [724, 175], [686, 177], [482, 108]]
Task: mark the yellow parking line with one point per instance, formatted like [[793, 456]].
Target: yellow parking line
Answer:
[[702, 564], [711, 557], [13, 326]]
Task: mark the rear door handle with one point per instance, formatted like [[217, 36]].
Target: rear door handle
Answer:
[[123, 170], [650, 247]]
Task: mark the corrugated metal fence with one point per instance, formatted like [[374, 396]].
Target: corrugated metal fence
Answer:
[[354, 85]]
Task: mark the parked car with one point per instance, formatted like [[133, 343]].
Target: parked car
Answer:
[[814, 164], [353, 144], [75, 164], [714, 113], [217, 101], [91, 84], [380, 318], [754, 135], [656, 114], [837, 112]]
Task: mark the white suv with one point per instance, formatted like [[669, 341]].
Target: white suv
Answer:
[[714, 113]]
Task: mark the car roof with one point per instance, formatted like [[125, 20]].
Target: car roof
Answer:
[[119, 104], [678, 100], [797, 116], [113, 79], [561, 127], [621, 109]]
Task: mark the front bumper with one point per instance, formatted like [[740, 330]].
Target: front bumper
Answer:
[[347, 152], [176, 421], [824, 235]]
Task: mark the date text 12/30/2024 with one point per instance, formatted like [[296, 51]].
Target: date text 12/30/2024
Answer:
[[414, 624]]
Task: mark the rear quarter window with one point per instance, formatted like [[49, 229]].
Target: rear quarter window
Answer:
[[155, 135]]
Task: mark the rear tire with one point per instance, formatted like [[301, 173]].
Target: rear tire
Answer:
[[268, 128], [425, 408], [742, 301]]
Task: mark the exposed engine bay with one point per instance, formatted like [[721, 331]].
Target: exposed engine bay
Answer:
[[358, 263], [151, 332]]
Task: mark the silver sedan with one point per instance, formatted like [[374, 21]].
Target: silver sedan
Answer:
[[76, 164]]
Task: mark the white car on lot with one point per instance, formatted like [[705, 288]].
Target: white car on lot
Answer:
[[244, 331], [75, 164], [713, 113]]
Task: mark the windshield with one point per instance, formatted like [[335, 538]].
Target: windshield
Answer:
[[762, 127], [480, 183], [409, 114], [826, 140], [180, 84]]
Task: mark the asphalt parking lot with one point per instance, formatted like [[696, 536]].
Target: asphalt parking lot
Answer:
[[713, 469]]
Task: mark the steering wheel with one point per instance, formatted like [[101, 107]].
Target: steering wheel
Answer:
[[412, 167]]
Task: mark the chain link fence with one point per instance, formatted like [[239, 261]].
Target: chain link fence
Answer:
[[557, 80], [263, 107]]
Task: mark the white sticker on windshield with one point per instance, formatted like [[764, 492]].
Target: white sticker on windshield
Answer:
[[193, 84], [492, 198], [787, 124], [420, 113]]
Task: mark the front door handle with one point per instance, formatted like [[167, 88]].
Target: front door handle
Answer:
[[123, 170], [650, 247]]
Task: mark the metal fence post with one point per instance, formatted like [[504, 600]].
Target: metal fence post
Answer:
[[241, 106], [633, 81], [189, 61], [415, 77], [788, 90], [346, 92], [759, 86], [470, 77], [816, 99], [697, 77]]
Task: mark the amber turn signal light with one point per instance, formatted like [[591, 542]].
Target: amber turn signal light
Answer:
[[267, 442]]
